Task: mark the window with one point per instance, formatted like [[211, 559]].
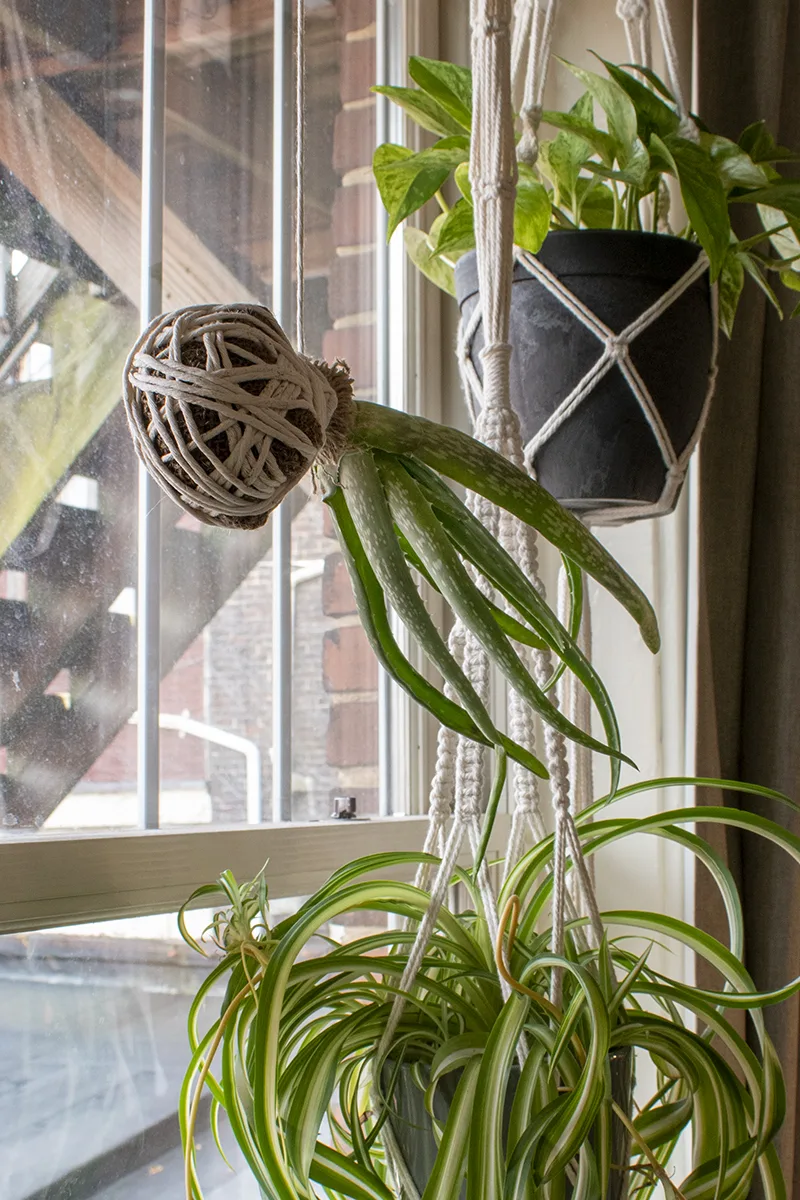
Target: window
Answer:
[[257, 719]]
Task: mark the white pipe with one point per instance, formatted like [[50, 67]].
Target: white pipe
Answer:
[[182, 723]]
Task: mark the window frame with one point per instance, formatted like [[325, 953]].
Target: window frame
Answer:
[[54, 880]]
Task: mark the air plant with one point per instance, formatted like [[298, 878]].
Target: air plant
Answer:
[[293, 1055]]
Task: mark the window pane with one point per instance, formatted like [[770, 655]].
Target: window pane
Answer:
[[70, 145], [93, 1049]]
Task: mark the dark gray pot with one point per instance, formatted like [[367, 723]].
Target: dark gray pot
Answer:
[[413, 1130], [605, 455]]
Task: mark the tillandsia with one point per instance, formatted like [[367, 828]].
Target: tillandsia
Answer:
[[516, 1098], [228, 418], [599, 176]]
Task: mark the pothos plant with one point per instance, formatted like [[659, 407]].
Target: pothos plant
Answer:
[[287, 1037], [606, 174]]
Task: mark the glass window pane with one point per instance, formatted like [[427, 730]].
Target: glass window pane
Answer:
[[93, 1049], [70, 145]]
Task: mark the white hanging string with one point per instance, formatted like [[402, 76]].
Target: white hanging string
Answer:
[[635, 16]]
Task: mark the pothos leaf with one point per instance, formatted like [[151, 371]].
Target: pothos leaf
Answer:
[[448, 84], [406, 181], [734, 165], [456, 234], [422, 108], [424, 259], [704, 199], [532, 211], [731, 282], [652, 114], [757, 141], [595, 204], [618, 107]]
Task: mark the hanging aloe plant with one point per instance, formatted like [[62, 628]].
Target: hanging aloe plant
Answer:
[[229, 418], [292, 1055]]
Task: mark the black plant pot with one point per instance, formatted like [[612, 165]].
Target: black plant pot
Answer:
[[413, 1130], [604, 461]]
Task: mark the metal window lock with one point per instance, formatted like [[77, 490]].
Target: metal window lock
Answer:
[[344, 808]]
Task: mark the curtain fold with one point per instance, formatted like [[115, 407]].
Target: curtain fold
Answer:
[[749, 635]]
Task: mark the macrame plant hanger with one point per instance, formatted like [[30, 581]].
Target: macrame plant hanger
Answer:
[[457, 789]]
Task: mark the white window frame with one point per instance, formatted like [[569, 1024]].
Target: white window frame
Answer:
[[56, 880]]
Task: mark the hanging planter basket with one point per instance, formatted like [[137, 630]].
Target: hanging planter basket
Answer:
[[413, 1132], [608, 422]]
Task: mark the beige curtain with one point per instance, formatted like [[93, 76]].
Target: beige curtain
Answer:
[[749, 652]]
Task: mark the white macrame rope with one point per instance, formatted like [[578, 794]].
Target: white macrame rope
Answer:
[[635, 16]]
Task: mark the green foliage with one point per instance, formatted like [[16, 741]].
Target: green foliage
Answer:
[[297, 1056], [594, 175]]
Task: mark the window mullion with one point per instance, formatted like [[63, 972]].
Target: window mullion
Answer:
[[149, 514], [282, 195]]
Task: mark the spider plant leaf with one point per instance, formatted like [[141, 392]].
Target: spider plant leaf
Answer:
[[571, 1126], [704, 1183], [310, 1094], [414, 515], [662, 1124], [377, 627], [468, 462], [340, 1174], [486, 1171], [374, 525], [444, 1182]]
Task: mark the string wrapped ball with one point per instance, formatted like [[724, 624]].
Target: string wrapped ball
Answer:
[[226, 415]]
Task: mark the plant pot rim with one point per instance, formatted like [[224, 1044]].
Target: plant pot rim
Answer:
[[630, 253]]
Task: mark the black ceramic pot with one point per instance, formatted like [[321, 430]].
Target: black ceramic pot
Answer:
[[413, 1130], [604, 457]]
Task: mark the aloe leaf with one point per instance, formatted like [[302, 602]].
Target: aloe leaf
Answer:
[[377, 627], [415, 517], [366, 502], [496, 565], [468, 462]]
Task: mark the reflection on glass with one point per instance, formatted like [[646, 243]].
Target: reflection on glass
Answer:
[[70, 145], [93, 1049]]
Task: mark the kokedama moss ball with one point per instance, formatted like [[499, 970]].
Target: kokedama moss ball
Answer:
[[226, 415]]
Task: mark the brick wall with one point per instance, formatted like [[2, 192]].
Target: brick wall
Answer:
[[349, 668]]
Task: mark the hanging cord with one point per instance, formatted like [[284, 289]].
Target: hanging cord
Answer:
[[537, 22], [635, 16], [300, 177]]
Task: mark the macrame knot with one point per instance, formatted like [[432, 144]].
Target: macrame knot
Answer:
[[226, 415], [528, 145], [494, 25], [618, 349], [493, 189], [633, 10]]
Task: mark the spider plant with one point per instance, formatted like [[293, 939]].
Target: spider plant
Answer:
[[595, 176], [293, 1054]]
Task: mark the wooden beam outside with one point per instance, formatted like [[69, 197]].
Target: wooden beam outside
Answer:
[[95, 197]]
